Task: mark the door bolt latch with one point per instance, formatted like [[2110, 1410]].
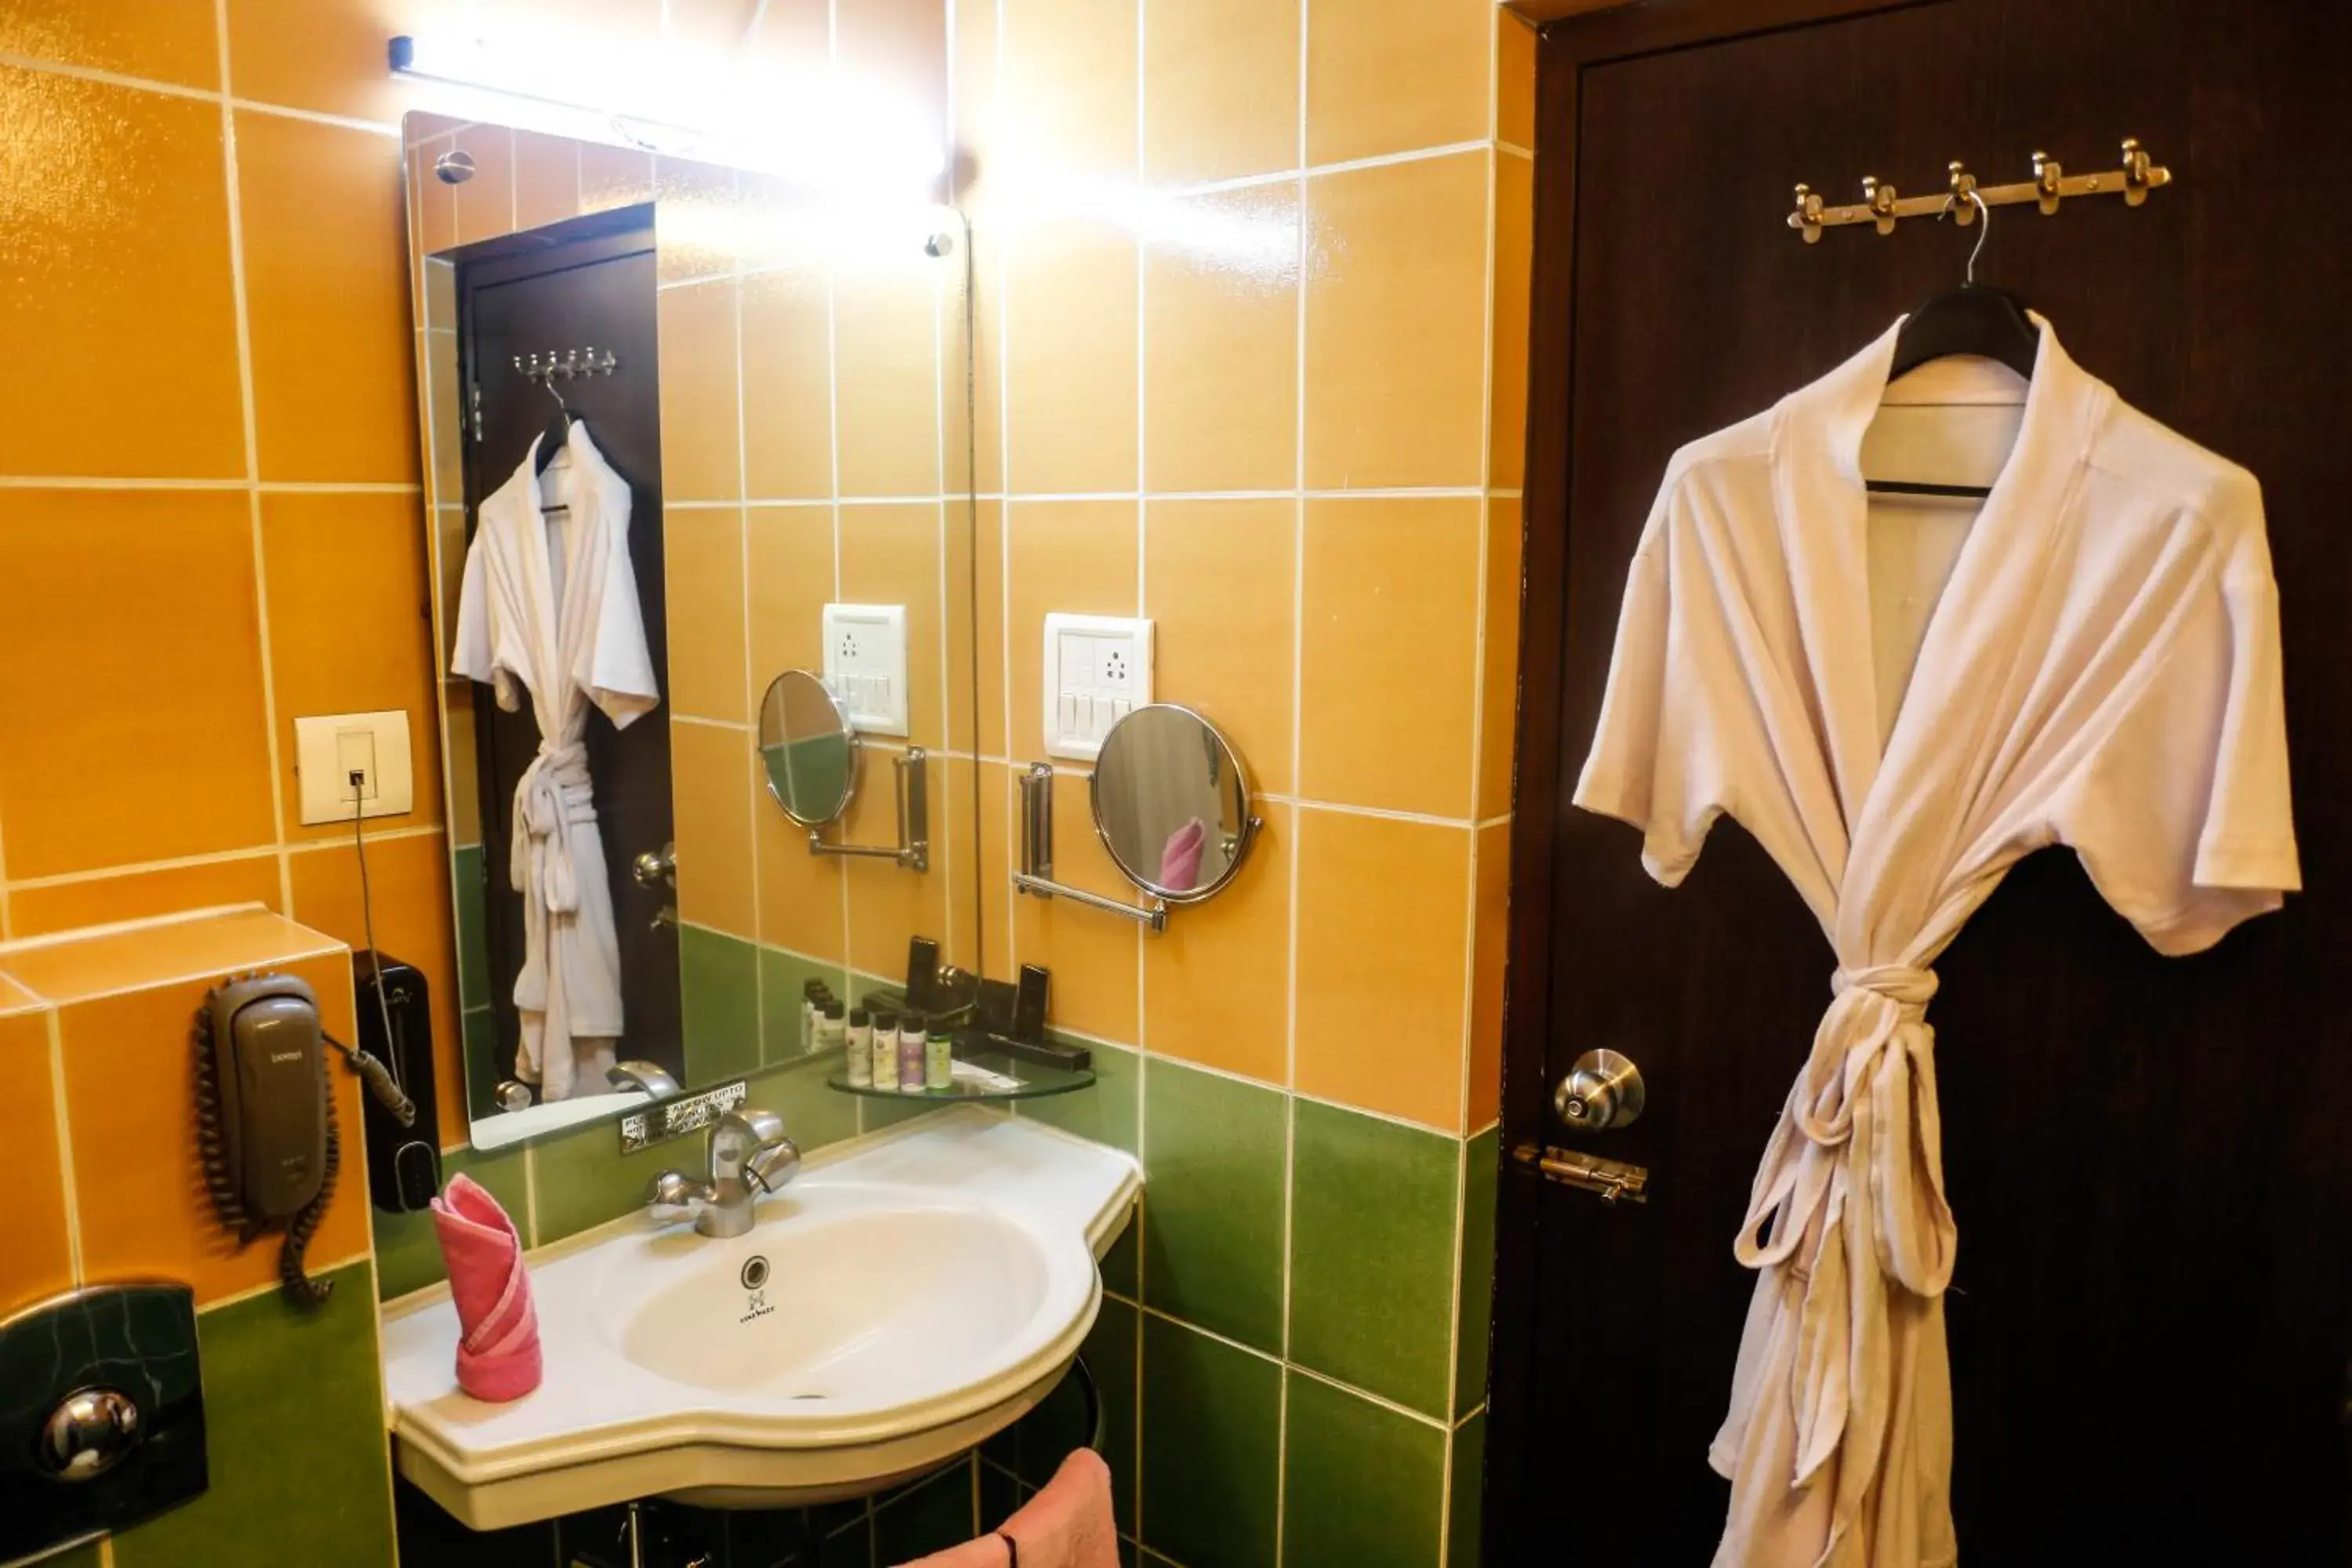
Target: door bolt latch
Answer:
[[1612, 1179]]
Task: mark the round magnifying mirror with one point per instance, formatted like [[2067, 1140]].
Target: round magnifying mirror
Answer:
[[1171, 803], [807, 748]]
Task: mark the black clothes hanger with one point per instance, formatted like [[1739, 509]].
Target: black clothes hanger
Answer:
[[1969, 319]]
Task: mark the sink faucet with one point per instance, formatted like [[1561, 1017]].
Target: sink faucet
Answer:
[[749, 1156]]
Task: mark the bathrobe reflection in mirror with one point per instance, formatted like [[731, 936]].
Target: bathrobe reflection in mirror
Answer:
[[550, 604], [2098, 666]]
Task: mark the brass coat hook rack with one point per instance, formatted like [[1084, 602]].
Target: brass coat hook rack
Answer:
[[1882, 206]]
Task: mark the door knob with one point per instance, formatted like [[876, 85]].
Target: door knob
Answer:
[[657, 867], [1601, 1090]]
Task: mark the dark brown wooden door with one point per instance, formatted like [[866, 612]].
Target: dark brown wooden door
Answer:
[[2150, 1159], [565, 287]]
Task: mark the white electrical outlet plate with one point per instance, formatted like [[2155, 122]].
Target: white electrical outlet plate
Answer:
[[865, 664], [329, 750], [1098, 671]]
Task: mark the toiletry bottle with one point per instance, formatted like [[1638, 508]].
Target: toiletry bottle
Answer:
[[812, 990], [860, 1049], [884, 1073], [912, 1042], [938, 1058], [832, 1031]]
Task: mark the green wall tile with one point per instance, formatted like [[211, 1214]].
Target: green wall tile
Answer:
[[929, 1516], [1372, 1253], [1106, 1112], [1361, 1484], [1466, 1491], [582, 1179], [1211, 1440], [408, 1252], [877, 1112], [82, 1556], [1112, 1351], [1042, 1439], [1213, 1202], [471, 901], [781, 975], [1476, 1320], [295, 1438], [480, 1030], [1118, 1266], [718, 986], [814, 1115]]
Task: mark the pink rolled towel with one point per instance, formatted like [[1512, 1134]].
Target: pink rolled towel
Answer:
[[498, 1331], [1067, 1525], [1180, 858]]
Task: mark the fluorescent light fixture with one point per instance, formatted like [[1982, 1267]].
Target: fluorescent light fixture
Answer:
[[810, 127]]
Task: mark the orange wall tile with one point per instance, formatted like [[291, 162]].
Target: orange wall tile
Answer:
[[131, 630], [1220, 344], [1070, 357], [114, 210], [334, 395], [1383, 928], [162, 40], [1218, 585], [1389, 76], [1388, 652], [711, 793], [143, 1209], [704, 577], [699, 441], [350, 630], [1221, 89], [134, 895], [38, 1262], [1216, 986], [1396, 322], [408, 882]]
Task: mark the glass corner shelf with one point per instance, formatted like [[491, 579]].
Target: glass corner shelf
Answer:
[[982, 1075]]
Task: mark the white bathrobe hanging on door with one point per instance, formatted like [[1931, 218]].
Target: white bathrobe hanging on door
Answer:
[[2100, 670], [549, 602]]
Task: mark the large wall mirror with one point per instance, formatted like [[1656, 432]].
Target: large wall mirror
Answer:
[[691, 427]]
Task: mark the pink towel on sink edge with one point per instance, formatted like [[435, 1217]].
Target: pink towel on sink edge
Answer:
[[498, 1331], [1067, 1525]]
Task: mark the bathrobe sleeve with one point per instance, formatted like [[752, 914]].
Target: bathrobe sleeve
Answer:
[[474, 651], [2184, 819], [619, 676], [1655, 760]]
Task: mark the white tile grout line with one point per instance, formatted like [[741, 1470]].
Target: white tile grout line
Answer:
[[220, 96], [70, 1196], [1298, 703], [235, 217], [747, 761], [216, 858], [1142, 458]]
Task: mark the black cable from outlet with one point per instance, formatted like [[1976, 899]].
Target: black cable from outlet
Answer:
[[367, 920]]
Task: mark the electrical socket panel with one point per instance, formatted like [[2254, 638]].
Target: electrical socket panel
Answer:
[[329, 749], [1098, 671], [865, 664]]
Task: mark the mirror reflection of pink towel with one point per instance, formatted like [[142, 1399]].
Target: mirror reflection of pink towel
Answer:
[[1067, 1525], [498, 1331], [1179, 858]]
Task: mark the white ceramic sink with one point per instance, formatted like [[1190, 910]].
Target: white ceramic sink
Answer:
[[909, 1294]]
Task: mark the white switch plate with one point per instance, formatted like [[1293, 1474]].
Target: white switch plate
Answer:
[[865, 664], [1098, 670], [325, 751]]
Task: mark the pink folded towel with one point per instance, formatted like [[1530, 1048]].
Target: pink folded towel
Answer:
[[498, 1332], [1180, 858], [1067, 1525]]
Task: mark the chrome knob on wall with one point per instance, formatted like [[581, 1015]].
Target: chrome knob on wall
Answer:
[[1601, 1090]]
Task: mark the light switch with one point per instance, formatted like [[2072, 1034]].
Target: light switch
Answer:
[[865, 664], [1097, 670], [328, 750]]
